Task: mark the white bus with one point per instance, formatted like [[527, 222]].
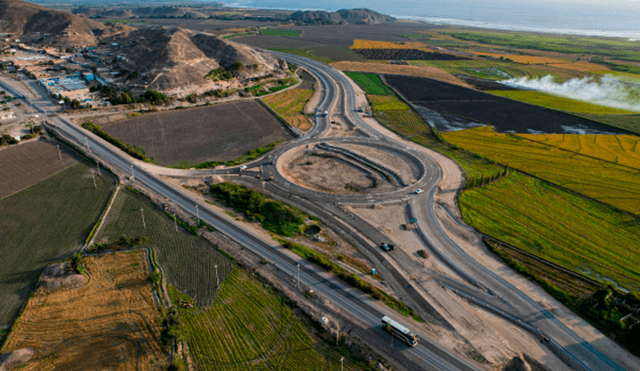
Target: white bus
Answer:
[[399, 331]]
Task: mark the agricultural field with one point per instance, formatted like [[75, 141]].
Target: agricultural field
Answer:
[[618, 149], [279, 32], [218, 132], [607, 182], [249, 326], [396, 115], [30, 163], [304, 52], [503, 114], [581, 66], [564, 228], [523, 59], [187, 260], [370, 83], [559, 103], [111, 322], [44, 223], [398, 69], [406, 54], [630, 123], [290, 106], [375, 44]]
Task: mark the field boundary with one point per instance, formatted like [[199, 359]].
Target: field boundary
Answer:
[[96, 228]]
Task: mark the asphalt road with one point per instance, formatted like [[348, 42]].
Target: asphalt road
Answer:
[[338, 96]]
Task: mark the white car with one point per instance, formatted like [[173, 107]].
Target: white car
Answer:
[[243, 167], [419, 190]]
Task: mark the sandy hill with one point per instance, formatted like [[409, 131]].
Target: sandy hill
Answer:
[[24, 18], [174, 58], [351, 16]]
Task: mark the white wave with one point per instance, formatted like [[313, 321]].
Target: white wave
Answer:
[[609, 91]]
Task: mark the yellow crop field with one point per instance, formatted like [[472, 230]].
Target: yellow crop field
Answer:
[[398, 69], [289, 104], [619, 149], [386, 103], [610, 183], [373, 44], [581, 66], [524, 59], [110, 323]]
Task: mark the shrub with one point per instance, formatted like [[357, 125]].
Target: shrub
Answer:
[[423, 254]]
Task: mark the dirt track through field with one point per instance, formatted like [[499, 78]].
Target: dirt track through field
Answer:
[[108, 324]]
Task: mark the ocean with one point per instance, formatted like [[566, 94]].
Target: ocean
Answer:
[[574, 17]]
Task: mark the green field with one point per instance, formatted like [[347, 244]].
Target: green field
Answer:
[[626, 122], [612, 47], [559, 103], [280, 32], [604, 181], [42, 224], [187, 260], [251, 327], [499, 70], [567, 229], [307, 53], [370, 83]]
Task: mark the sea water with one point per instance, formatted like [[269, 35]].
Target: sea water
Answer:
[[578, 17]]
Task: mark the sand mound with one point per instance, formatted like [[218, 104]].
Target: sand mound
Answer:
[[59, 276], [17, 358]]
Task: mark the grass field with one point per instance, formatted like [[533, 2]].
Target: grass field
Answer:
[[611, 47], [44, 223], [523, 59], [290, 106], [109, 323], [280, 32], [566, 229], [610, 183], [626, 122], [397, 69], [559, 103], [370, 83], [250, 327], [187, 260], [619, 149], [308, 53]]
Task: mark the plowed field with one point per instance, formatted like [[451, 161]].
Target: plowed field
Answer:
[[29, 163], [406, 54], [397, 69], [111, 323], [219, 132]]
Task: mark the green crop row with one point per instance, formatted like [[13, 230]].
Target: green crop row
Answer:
[[279, 32], [370, 83]]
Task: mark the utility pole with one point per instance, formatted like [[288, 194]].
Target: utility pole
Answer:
[[342, 363], [298, 282], [59, 153], [143, 223], [338, 332], [217, 280], [175, 223], [98, 163], [197, 214], [132, 175], [93, 175]]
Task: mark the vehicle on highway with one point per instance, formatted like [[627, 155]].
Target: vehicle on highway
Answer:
[[399, 331], [418, 191], [243, 167], [387, 246]]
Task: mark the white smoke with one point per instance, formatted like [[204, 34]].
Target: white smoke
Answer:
[[607, 91]]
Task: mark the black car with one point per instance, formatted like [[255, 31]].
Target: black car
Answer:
[[387, 246]]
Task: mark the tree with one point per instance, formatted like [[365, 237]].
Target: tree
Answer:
[[75, 104], [125, 98]]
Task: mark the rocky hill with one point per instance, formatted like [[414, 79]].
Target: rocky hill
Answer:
[[172, 59], [31, 20], [351, 16]]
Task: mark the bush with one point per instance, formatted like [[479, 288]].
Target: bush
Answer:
[[423, 254], [133, 151], [77, 263]]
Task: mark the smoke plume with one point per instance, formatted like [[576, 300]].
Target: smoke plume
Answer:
[[607, 91]]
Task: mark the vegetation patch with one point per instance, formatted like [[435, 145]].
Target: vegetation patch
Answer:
[[42, 223], [559, 103], [250, 326], [132, 150], [279, 32], [249, 156], [561, 227], [290, 106], [188, 261], [307, 53], [398, 69], [612, 184], [630, 123], [370, 83], [110, 322], [272, 215]]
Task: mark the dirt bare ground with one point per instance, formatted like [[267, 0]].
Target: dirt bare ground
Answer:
[[110, 323], [15, 359], [219, 132], [28, 163], [334, 173]]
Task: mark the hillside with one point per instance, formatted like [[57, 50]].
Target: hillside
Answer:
[[24, 18], [171, 58], [344, 16]]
